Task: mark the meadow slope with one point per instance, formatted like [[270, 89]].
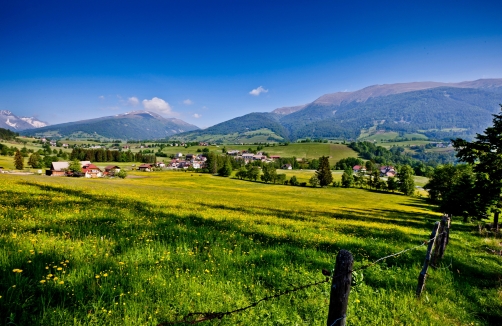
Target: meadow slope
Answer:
[[157, 246]]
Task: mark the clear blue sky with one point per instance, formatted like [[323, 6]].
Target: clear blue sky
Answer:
[[208, 61]]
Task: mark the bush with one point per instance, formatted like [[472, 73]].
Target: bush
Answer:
[[122, 174]]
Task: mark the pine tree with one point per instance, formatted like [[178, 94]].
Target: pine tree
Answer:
[[323, 172], [18, 160]]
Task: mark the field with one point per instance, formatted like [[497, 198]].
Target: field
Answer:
[[156, 246]]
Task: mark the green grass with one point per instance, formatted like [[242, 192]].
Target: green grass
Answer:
[[141, 251]]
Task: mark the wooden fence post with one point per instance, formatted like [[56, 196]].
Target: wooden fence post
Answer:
[[340, 289], [423, 274], [441, 241], [446, 222]]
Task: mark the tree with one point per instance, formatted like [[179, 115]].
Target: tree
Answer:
[[226, 169], [75, 166], [242, 173], [485, 156], [347, 178], [35, 161], [360, 179], [281, 178], [18, 160], [293, 181], [369, 166], [406, 182], [269, 173], [253, 173], [314, 181], [323, 172], [392, 184]]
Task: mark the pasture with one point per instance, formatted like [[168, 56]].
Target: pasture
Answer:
[[156, 246]]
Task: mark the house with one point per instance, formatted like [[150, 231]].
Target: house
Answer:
[[178, 155], [274, 157], [146, 167], [233, 152], [357, 168], [287, 167], [91, 171], [387, 171], [160, 164], [112, 169], [189, 157], [59, 169]]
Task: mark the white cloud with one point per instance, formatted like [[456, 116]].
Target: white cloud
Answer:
[[157, 105], [188, 102], [102, 97], [133, 101], [196, 115], [258, 91]]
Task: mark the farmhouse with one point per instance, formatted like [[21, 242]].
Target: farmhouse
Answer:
[[146, 167], [387, 171], [59, 169], [287, 167], [112, 169], [91, 171], [358, 168], [233, 152]]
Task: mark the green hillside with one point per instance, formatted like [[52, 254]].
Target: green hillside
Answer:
[[155, 247]]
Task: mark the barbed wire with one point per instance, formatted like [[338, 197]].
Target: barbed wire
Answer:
[[205, 316]]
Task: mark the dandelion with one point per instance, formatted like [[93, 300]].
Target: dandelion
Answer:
[[17, 270], [42, 281], [105, 274], [60, 268], [97, 276], [198, 293], [61, 282]]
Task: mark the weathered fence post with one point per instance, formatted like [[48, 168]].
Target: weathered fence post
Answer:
[[423, 274], [445, 222], [441, 240], [340, 289]]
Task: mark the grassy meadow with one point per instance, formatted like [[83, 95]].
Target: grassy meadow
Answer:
[[156, 246]]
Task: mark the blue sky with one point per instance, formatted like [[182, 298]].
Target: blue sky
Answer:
[[209, 61]]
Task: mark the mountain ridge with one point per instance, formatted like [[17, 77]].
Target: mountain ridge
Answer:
[[339, 114], [131, 125]]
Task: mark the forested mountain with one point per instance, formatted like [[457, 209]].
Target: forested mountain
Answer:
[[132, 125], [241, 125], [437, 110]]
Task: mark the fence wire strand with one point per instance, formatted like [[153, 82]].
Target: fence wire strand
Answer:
[[199, 317]]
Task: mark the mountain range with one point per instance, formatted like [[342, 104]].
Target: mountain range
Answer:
[[12, 122], [429, 109], [432, 109], [134, 125]]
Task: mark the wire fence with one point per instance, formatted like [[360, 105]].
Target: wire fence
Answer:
[[437, 234]]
